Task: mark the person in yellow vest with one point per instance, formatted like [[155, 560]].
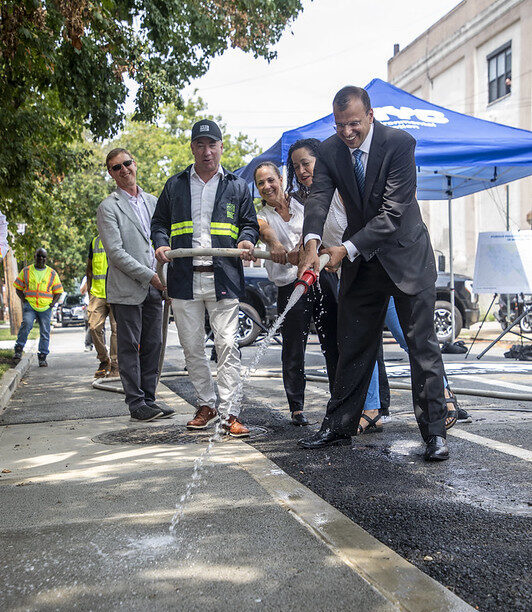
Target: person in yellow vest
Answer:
[[99, 309], [39, 288]]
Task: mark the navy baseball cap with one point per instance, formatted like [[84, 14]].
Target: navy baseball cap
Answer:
[[207, 128]]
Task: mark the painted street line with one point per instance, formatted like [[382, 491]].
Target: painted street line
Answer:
[[502, 447], [502, 384], [453, 368]]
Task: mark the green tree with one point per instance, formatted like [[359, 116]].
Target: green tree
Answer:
[[163, 149], [62, 64], [64, 220]]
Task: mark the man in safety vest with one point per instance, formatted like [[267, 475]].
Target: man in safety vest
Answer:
[[99, 309], [39, 288], [207, 206]]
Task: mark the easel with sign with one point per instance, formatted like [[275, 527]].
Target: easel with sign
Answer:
[[503, 265]]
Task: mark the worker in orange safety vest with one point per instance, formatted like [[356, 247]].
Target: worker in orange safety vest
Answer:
[[39, 288]]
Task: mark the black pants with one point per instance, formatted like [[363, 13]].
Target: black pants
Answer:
[[319, 302], [361, 312], [139, 340]]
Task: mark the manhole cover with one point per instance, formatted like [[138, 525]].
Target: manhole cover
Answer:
[[167, 434]]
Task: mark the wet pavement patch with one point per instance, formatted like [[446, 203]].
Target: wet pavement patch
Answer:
[[460, 522], [166, 434]]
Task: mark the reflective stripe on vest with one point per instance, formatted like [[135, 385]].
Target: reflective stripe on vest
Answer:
[[224, 229], [184, 227], [99, 268], [217, 229]]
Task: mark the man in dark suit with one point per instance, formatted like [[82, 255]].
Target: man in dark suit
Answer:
[[386, 252]]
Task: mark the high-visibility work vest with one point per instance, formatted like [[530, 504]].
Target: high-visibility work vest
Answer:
[[99, 268], [217, 229], [39, 294]]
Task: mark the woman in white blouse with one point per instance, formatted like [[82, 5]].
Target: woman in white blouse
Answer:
[[281, 225]]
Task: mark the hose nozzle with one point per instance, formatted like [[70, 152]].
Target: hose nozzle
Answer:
[[307, 280]]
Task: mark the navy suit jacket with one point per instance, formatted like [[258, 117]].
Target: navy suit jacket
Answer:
[[386, 222]]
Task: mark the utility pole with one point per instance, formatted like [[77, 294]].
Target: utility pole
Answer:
[[14, 304]]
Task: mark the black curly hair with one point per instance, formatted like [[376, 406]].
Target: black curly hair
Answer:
[[311, 144]]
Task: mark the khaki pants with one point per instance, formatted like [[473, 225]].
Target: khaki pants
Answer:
[[189, 317], [98, 311]]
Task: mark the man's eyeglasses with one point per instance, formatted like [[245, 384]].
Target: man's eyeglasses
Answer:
[[341, 126], [126, 164]]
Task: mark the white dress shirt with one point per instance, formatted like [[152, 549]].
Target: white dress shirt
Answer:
[[351, 249], [289, 234], [335, 223], [202, 196], [140, 208]]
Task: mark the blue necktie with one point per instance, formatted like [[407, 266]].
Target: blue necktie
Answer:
[[359, 170]]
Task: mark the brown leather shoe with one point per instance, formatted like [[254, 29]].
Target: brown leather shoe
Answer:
[[114, 372], [204, 417], [235, 428]]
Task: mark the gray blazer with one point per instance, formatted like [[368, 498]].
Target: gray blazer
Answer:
[[127, 248]]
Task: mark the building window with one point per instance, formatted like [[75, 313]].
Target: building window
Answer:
[[500, 72]]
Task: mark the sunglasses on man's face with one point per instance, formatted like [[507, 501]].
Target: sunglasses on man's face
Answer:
[[126, 164]]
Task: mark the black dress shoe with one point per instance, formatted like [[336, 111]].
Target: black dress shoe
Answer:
[[437, 449], [325, 437], [145, 413], [299, 419], [166, 413]]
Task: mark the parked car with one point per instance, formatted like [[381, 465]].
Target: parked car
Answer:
[[72, 310], [466, 310], [260, 303]]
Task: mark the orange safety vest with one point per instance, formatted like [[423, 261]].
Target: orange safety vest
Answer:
[[38, 294]]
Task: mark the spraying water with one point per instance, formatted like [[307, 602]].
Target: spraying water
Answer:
[[199, 462]]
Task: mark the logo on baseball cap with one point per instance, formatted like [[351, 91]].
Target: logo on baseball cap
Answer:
[[207, 128]]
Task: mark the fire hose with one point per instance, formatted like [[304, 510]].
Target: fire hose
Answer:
[[308, 279]]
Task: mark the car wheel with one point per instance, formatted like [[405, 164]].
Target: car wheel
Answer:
[[443, 321], [248, 330]]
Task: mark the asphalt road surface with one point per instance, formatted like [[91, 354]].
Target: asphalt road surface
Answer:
[[465, 522]]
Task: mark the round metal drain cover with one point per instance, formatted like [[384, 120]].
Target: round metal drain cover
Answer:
[[168, 434]]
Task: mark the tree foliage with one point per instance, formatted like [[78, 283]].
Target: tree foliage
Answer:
[[163, 149], [62, 67], [64, 221]]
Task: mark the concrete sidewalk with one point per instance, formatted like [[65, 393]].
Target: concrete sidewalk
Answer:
[[85, 524]]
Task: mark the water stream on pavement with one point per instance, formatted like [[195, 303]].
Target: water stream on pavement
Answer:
[[199, 462]]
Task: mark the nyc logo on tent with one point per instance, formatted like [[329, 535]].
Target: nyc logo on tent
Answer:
[[409, 118]]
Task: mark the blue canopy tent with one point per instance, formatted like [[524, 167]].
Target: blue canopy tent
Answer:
[[456, 155]]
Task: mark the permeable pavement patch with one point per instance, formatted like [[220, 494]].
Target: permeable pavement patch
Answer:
[[166, 434]]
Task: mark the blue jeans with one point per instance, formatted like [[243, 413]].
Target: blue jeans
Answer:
[[28, 319], [392, 323]]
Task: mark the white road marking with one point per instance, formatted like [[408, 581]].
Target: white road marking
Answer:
[[503, 384], [502, 447]]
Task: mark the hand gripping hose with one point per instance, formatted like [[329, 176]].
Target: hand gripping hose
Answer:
[[309, 278]]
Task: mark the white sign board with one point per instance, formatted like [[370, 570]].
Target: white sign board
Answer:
[[503, 263]]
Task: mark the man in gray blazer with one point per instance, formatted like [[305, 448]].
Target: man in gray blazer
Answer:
[[133, 288]]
